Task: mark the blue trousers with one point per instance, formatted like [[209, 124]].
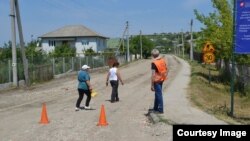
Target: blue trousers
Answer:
[[158, 104]]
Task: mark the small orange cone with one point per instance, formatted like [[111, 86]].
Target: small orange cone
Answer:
[[102, 119], [44, 117]]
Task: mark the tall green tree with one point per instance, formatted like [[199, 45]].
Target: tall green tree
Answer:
[[218, 28], [135, 46], [147, 46]]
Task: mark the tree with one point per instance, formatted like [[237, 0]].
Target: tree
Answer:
[[64, 50], [218, 30], [5, 51], [89, 52], [32, 49], [35, 54], [135, 46], [147, 46]]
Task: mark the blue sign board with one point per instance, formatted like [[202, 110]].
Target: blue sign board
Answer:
[[242, 33]]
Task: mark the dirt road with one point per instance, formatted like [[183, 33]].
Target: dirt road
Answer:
[[20, 110]]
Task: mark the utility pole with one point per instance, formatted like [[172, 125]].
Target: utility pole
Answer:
[[20, 31], [141, 43], [122, 42], [128, 56], [13, 42], [233, 60], [182, 39], [178, 46], [191, 41]]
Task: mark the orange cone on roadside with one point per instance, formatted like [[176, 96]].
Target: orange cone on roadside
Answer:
[[102, 119], [44, 117]]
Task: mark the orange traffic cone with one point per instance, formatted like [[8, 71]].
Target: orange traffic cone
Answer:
[[102, 119], [44, 117]]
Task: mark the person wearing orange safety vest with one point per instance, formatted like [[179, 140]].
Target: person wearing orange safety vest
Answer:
[[159, 75]]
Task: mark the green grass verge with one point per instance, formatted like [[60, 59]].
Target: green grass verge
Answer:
[[214, 97]]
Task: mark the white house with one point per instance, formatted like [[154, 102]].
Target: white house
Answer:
[[78, 36]]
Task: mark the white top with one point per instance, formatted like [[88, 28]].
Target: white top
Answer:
[[112, 74]]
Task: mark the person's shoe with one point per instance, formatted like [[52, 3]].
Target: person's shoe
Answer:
[[152, 110], [77, 109], [117, 100], [81, 108], [87, 107], [158, 112]]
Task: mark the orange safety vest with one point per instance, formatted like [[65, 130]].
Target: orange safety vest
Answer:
[[161, 65]]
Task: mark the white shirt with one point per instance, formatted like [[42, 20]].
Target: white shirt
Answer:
[[112, 74]]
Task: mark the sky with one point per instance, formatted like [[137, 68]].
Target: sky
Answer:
[[107, 17]]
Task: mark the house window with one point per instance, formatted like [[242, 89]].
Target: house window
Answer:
[[85, 42], [52, 43]]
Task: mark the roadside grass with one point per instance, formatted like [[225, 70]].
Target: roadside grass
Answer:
[[214, 98], [166, 121]]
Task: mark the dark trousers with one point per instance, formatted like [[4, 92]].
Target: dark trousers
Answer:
[[81, 94], [114, 94], [158, 103]]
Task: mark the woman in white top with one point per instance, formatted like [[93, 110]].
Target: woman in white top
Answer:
[[114, 77]]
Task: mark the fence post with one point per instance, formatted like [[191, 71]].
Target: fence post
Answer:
[[93, 62], [53, 65], [80, 62], [63, 65], [104, 61], [9, 64], [72, 63], [87, 60]]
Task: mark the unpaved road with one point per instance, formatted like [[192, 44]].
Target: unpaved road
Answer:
[[20, 110]]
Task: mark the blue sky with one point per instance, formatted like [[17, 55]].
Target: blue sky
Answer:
[[106, 17]]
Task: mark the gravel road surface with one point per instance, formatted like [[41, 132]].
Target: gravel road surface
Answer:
[[20, 110]]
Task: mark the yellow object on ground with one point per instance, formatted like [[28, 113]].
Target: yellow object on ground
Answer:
[[93, 93]]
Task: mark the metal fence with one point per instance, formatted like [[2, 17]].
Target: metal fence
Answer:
[[243, 78], [43, 69], [242, 73]]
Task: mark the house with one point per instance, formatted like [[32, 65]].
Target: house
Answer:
[[78, 36]]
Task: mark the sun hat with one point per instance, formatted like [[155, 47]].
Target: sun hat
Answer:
[[85, 67]]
